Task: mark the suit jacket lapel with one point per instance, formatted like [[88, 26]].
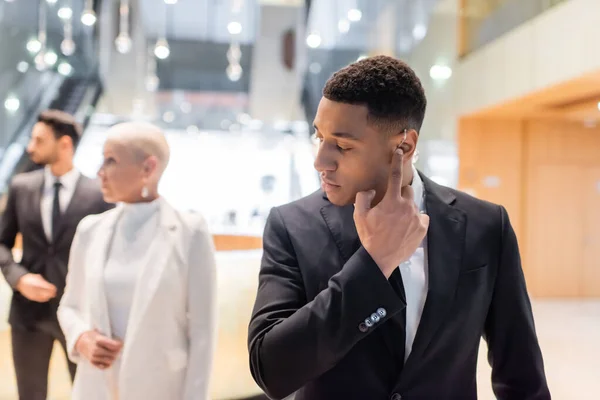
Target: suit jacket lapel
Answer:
[[340, 222], [101, 247], [151, 274], [36, 205], [445, 245], [77, 200]]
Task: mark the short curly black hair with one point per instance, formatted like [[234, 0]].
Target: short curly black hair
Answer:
[[388, 87]]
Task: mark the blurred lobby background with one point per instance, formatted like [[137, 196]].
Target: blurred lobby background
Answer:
[[513, 88]]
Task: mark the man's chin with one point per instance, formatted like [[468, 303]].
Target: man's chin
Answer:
[[339, 199]]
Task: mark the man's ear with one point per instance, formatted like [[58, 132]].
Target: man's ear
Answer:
[[406, 140]]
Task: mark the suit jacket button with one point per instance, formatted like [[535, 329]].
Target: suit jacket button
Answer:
[[396, 396], [369, 323], [382, 313], [362, 327], [375, 317]]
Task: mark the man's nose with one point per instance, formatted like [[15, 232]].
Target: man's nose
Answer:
[[324, 161]]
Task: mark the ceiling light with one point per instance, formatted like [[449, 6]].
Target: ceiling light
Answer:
[[234, 28], [343, 26], [65, 13], [170, 1], [354, 15], [9, 1], [234, 53], [12, 103], [123, 43], [51, 1], [440, 72], [67, 47], [50, 58], [34, 46], [313, 40], [234, 72], [419, 31], [88, 17], [40, 61], [22, 67], [65, 69], [161, 50]]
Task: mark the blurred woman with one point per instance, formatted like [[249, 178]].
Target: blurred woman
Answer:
[[138, 311]]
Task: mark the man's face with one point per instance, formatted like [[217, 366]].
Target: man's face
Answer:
[[353, 155], [43, 147]]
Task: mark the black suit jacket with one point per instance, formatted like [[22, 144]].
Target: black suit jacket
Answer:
[[23, 214], [317, 285]]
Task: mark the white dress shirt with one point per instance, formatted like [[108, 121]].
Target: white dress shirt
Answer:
[[68, 184], [415, 276]]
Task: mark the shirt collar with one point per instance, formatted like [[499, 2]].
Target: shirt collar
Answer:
[[417, 186], [68, 180]]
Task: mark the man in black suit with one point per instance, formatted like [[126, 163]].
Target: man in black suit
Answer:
[[381, 285], [44, 206]]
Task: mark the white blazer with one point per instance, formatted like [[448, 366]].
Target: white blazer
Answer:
[[171, 334]]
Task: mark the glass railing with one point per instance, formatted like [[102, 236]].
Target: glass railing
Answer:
[[482, 21]]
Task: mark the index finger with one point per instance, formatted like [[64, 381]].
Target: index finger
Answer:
[[394, 189]]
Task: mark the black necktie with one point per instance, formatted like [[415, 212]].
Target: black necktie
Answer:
[[56, 209]]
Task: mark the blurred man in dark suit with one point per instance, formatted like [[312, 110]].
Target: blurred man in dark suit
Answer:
[[44, 206]]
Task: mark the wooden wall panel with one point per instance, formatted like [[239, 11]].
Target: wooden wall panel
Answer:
[[549, 180], [560, 142], [491, 163], [591, 239], [554, 220]]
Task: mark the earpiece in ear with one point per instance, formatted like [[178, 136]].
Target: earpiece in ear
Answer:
[[403, 140]]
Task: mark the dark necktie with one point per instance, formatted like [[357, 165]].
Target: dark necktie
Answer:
[[56, 209]]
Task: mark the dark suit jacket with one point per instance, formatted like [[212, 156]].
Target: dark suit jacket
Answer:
[[23, 214], [317, 285]]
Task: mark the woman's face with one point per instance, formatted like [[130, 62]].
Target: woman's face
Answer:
[[122, 175]]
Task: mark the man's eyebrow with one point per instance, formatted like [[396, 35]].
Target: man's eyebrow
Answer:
[[343, 135]]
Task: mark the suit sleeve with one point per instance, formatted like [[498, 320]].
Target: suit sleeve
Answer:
[[69, 311], [9, 228], [513, 350], [202, 328], [293, 341]]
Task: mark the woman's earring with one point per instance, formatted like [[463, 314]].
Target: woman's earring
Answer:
[[145, 192]]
